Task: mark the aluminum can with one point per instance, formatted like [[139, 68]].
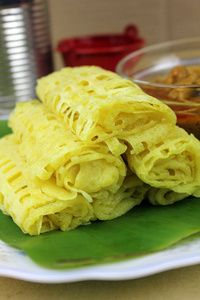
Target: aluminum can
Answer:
[[25, 50]]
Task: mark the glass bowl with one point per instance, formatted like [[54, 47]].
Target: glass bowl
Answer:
[[169, 71]]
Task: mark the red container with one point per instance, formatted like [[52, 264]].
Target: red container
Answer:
[[100, 50]]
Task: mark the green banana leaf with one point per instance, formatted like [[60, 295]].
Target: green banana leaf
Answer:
[[4, 129], [143, 230]]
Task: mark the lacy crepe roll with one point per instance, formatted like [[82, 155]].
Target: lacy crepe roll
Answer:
[[172, 163], [100, 177], [131, 193], [164, 196], [58, 159], [31, 209], [97, 104]]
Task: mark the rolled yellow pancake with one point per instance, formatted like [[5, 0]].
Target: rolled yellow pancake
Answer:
[[131, 193], [31, 209], [173, 163], [164, 196], [64, 168], [97, 104], [57, 157]]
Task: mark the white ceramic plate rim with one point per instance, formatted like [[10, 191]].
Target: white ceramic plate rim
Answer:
[[16, 264]]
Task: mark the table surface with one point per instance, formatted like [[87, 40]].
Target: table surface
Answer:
[[183, 283]]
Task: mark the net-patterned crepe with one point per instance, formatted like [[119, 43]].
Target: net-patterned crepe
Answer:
[[31, 209], [97, 104], [67, 170], [55, 154], [173, 163]]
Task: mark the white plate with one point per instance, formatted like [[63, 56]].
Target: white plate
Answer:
[[15, 264]]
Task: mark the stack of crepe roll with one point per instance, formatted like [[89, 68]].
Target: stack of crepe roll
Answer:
[[91, 148]]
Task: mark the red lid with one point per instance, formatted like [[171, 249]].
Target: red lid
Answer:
[[107, 43]]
